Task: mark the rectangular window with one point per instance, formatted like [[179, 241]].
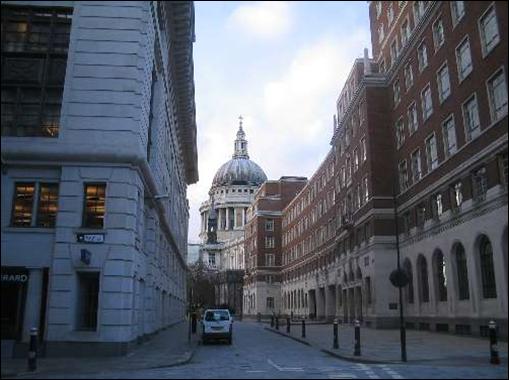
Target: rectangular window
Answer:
[[418, 10], [480, 184], [422, 56], [409, 76], [497, 92], [396, 93], [269, 242], [457, 195], [416, 165], [405, 32], [23, 204], [438, 34], [87, 300], [464, 59], [471, 118], [400, 133], [368, 290], [390, 14], [364, 151], [35, 41], [449, 133], [269, 260], [212, 259], [94, 208], [488, 28], [356, 160], [421, 215], [431, 153], [381, 33], [394, 51], [403, 176], [427, 104], [269, 225], [48, 205], [457, 11], [444, 84], [270, 302], [366, 190], [438, 208], [412, 118]]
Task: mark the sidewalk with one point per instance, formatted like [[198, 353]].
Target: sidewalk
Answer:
[[383, 346], [168, 348]]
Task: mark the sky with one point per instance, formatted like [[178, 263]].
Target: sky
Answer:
[[281, 65]]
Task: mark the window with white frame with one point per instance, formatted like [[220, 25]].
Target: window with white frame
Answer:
[[270, 260], [449, 133], [471, 118], [364, 150], [269, 225], [488, 28], [426, 102], [390, 14], [464, 59], [378, 8], [443, 82], [400, 133], [409, 76], [422, 56], [438, 34], [343, 176], [394, 50], [479, 184], [381, 66], [416, 165], [366, 190], [405, 32], [418, 10], [438, 206], [497, 92], [348, 169], [356, 160], [403, 175], [381, 33], [269, 242], [412, 118], [431, 153], [457, 11], [396, 93]]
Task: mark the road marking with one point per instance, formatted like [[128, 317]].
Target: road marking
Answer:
[[255, 371], [342, 376], [283, 369]]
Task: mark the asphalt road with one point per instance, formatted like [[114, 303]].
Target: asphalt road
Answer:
[[257, 353]]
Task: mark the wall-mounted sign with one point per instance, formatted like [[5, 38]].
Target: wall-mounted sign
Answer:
[[14, 275], [90, 238]]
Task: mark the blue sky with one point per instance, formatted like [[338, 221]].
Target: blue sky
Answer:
[[281, 65]]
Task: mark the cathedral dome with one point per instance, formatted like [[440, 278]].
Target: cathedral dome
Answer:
[[240, 170]]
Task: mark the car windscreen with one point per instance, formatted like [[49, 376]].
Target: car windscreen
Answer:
[[217, 315]]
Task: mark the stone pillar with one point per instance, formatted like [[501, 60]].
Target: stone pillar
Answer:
[[320, 303], [227, 218], [219, 218], [33, 302], [235, 211], [243, 216]]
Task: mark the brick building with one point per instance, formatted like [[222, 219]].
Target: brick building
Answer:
[[263, 231], [422, 126]]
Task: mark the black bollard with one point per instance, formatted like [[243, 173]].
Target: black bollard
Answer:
[[494, 358], [335, 343], [357, 348], [303, 328], [288, 325], [259, 317], [272, 321], [277, 323], [193, 323], [32, 351]]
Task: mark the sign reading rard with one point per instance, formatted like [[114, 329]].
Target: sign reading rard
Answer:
[[14, 275]]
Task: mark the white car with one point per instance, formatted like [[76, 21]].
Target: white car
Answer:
[[217, 324]]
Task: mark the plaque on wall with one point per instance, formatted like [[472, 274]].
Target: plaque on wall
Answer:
[[90, 238]]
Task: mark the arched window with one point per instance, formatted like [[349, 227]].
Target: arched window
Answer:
[[462, 272], [489, 289], [422, 269], [440, 276], [407, 267]]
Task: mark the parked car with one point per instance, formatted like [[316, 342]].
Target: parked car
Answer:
[[217, 324]]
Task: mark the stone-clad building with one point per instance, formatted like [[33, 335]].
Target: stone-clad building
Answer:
[[262, 283], [98, 140], [420, 133], [231, 193]]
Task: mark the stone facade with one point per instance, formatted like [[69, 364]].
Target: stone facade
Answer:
[[114, 130]]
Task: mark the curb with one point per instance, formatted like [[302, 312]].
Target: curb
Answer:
[[332, 353], [180, 362]]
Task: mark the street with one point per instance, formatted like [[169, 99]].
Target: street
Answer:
[[257, 353]]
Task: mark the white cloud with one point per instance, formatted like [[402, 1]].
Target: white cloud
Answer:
[[265, 19]]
